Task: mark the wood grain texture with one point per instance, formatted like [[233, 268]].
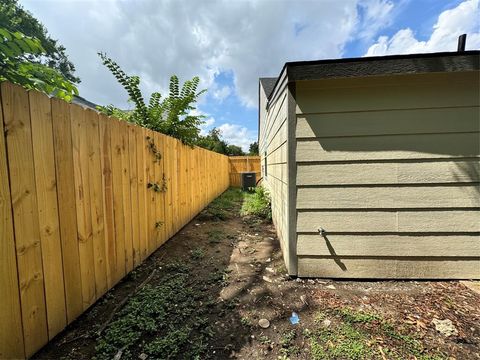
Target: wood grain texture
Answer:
[[16, 117], [447, 221], [11, 332], [133, 158], [106, 165], [390, 268], [389, 245], [96, 203], [152, 217], [466, 196], [390, 173], [64, 166], [83, 203], [142, 192], [46, 189], [76, 214], [118, 203], [239, 164], [126, 195], [159, 195]]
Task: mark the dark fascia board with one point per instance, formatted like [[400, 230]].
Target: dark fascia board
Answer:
[[380, 65], [267, 85]]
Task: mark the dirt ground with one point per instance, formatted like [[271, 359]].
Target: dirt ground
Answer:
[[202, 295]]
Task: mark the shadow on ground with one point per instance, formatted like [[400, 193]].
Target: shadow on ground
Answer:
[[202, 295]]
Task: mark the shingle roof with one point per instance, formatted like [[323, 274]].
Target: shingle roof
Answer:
[[268, 83]]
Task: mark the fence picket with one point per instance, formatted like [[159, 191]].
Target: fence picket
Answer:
[[76, 213]]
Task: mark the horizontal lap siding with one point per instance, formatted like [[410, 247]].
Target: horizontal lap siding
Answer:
[[389, 168], [273, 149]]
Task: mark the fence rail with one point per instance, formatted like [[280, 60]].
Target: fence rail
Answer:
[[84, 199], [239, 164]]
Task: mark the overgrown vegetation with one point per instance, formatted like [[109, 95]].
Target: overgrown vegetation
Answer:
[[173, 115], [17, 65], [221, 208], [356, 335], [164, 321], [257, 203]]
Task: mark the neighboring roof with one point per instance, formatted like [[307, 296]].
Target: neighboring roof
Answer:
[[84, 102], [381, 65], [268, 83]]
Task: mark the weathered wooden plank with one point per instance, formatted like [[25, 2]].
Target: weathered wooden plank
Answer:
[[390, 147], [168, 169], [389, 221], [107, 183], [127, 204], [62, 129], [389, 122], [96, 202], [142, 193], [152, 217], [46, 186], [388, 245], [381, 93], [175, 185], [83, 203], [390, 268], [11, 332], [466, 196], [118, 203], [389, 173], [159, 209], [17, 123], [132, 155]]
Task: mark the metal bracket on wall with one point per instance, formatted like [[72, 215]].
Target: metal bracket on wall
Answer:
[[322, 231]]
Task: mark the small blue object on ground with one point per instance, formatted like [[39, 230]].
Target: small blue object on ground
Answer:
[[294, 319]]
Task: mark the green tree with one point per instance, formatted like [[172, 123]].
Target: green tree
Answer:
[[14, 18], [253, 149], [174, 115], [16, 50], [212, 141], [234, 150]]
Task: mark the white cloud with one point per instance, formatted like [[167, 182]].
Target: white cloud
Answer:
[[450, 24], [206, 126], [208, 120], [222, 93], [377, 14], [237, 135], [154, 39]]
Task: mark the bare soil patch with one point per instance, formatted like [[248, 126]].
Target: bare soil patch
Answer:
[[219, 276]]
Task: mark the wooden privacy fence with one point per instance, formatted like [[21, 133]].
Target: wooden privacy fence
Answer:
[[84, 199], [239, 164]]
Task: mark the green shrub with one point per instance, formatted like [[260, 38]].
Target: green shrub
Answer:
[[257, 203]]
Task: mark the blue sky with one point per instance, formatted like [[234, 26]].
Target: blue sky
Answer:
[[229, 44]]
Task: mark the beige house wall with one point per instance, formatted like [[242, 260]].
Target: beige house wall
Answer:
[[389, 167], [273, 152]]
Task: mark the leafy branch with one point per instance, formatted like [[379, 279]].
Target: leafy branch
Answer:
[[15, 66], [173, 115], [158, 187], [156, 153]]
